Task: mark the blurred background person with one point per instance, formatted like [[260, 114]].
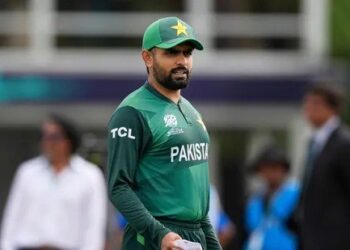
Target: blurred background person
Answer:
[[324, 211], [222, 224], [271, 206], [58, 199]]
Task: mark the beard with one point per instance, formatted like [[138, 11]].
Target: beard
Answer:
[[178, 78]]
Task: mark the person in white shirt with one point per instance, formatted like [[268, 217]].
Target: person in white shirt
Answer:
[[58, 199]]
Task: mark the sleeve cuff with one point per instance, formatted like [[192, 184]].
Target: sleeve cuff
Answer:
[[161, 235]]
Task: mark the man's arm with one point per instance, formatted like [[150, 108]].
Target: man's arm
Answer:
[[344, 165], [12, 214], [128, 138], [210, 236]]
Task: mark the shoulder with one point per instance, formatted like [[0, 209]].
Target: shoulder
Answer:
[[125, 113], [131, 103], [189, 105], [137, 109], [134, 97], [186, 102], [344, 133], [141, 99], [137, 105], [291, 185], [86, 169], [32, 165], [125, 119], [341, 144], [341, 139]]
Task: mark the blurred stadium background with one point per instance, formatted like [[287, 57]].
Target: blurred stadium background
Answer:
[[81, 57]]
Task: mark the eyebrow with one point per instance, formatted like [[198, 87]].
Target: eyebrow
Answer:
[[179, 50]]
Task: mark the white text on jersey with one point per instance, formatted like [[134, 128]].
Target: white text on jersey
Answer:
[[122, 132], [189, 152]]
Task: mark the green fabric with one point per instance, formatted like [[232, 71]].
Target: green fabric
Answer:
[[158, 163], [123, 157], [187, 231], [140, 239], [210, 236], [168, 32]]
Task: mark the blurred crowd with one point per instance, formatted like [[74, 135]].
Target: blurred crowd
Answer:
[[58, 199]]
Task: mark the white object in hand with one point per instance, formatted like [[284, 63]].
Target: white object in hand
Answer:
[[188, 245]]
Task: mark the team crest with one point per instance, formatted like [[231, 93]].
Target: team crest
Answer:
[[170, 121]]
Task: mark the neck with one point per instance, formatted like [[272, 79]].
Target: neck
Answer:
[[321, 124], [59, 163], [173, 95], [271, 190], [273, 187]]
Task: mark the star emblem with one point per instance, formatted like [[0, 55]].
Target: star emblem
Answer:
[[180, 28], [200, 121]]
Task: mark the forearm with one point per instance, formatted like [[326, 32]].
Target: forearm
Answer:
[[210, 236], [138, 217]]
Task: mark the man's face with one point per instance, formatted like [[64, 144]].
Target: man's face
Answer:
[[272, 173], [172, 67], [316, 110], [54, 143]]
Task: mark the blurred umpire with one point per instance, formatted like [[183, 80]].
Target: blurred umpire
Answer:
[[324, 211], [58, 199]]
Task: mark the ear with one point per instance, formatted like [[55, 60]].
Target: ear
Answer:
[[147, 57]]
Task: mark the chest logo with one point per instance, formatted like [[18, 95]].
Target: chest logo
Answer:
[[170, 121]]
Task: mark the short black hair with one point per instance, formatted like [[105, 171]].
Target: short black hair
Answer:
[[69, 130], [271, 154], [332, 93]]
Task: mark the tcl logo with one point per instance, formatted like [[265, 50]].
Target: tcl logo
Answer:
[[122, 132]]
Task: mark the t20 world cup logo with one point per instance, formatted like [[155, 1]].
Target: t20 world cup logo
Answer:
[[170, 121]]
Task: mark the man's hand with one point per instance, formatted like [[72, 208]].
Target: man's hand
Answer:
[[168, 241]]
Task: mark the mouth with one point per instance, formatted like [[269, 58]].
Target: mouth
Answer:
[[180, 73]]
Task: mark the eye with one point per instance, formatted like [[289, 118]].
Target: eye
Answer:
[[171, 52], [188, 53]]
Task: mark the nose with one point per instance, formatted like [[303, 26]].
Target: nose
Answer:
[[181, 60]]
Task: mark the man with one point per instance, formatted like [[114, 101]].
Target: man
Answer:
[[58, 200], [271, 206], [324, 211], [158, 149]]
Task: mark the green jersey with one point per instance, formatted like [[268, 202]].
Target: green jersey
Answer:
[[158, 162]]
